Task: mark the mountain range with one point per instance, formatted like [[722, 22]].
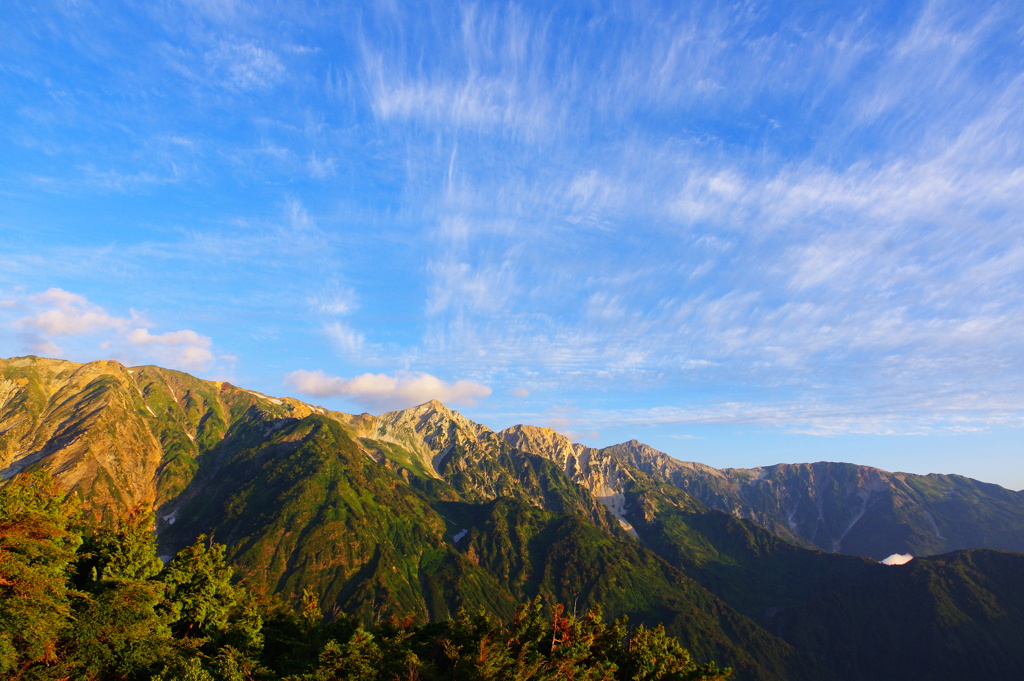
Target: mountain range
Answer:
[[773, 571]]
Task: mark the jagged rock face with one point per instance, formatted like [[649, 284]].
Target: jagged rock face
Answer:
[[430, 430], [550, 444], [603, 475], [480, 465]]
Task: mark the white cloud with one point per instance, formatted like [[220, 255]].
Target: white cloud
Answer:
[[916, 414], [92, 331], [320, 168], [58, 312], [831, 273], [335, 301], [43, 347], [61, 313], [218, 10], [928, 65], [114, 180], [477, 102], [380, 391], [497, 85], [186, 349], [718, 197], [897, 559]]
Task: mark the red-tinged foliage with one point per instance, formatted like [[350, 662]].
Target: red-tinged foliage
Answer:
[[106, 609]]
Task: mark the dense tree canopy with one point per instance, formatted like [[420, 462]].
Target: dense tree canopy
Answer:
[[96, 603], [38, 540]]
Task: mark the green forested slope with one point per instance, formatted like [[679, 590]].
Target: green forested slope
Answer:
[[956, 616], [93, 602], [418, 513], [306, 508]]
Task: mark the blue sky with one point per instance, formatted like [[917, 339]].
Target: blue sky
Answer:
[[744, 233]]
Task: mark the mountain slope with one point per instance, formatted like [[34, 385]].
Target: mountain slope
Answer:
[[305, 504], [421, 511], [117, 436], [86, 424], [304, 508], [845, 508], [955, 616]]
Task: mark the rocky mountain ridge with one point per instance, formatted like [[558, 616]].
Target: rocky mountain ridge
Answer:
[[134, 435], [602, 475], [846, 508], [420, 512]]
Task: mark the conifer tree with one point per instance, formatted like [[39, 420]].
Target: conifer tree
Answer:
[[117, 630], [38, 539], [200, 596], [204, 606]]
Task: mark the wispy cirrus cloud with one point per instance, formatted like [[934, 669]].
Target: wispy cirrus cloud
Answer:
[[827, 419], [244, 65], [772, 205], [927, 71], [114, 180], [334, 300], [491, 78], [796, 268], [458, 285], [345, 339]]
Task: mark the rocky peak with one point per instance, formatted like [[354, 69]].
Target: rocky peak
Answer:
[[544, 442], [427, 420], [429, 430], [657, 463], [602, 475]]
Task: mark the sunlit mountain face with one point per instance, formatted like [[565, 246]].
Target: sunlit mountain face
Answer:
[[422, 511]]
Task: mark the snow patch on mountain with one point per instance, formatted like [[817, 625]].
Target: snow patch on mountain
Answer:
[[272, 400]]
